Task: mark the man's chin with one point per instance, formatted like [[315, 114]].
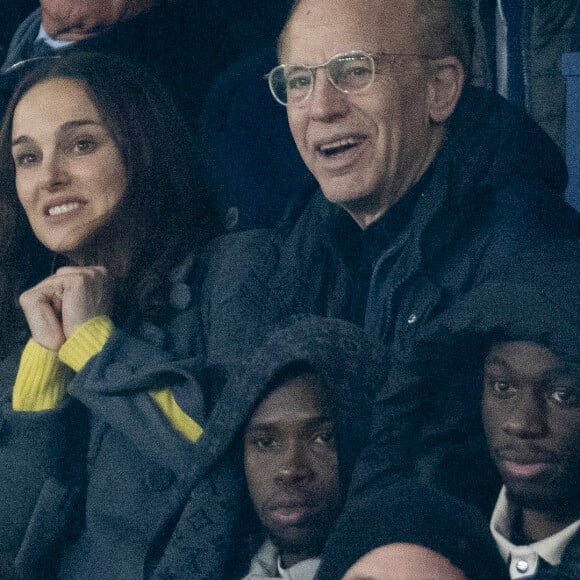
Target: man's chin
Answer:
[[539, 500], [305, 545]]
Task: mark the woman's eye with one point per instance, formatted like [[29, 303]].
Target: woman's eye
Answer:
[[25, 159], [83, 145]]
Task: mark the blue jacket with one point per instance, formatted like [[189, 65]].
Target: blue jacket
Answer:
[[168, 39]]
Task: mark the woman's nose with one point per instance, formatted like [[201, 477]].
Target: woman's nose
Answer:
[[53, 172]]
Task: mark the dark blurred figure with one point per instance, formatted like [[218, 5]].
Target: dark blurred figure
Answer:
[[186, 43], [519, 52], [13, 13]]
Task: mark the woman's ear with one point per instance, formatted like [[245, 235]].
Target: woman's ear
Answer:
[[445, 84]]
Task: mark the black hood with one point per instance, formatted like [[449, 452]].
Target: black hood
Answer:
[[537, 300], [351, 365]]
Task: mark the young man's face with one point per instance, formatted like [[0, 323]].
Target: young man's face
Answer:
[[531, 412], [292, 468]]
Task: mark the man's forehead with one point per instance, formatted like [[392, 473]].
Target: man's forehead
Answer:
[[525, 358], [64, 14], [290, 422], [299, 399], [334, 26]]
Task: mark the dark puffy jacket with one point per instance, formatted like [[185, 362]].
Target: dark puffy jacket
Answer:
[[491, 196], [168, 39]]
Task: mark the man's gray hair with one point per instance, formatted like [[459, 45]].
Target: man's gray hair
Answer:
[[445, 28]]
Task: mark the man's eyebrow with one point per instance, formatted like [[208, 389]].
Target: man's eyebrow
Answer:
[[305, 422], [496, 360], [65, 127], [561, 370]]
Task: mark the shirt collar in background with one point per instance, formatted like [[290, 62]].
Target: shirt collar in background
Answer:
[[266, 564], [54, 44], [524, 560]]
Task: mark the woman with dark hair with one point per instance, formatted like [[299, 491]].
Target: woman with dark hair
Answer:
[[103, 217], [165, 212]]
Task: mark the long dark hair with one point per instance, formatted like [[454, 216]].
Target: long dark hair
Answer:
[[165, 214]]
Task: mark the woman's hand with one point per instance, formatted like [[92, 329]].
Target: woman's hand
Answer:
[[55, 307]]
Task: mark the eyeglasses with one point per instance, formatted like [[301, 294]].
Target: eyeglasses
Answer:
[[352, 72]]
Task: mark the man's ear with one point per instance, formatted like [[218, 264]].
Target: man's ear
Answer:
[[445, 85]]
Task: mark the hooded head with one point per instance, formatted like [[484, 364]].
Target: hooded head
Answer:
[[312, 385], [536, 300], [350, 365], [535, 304]]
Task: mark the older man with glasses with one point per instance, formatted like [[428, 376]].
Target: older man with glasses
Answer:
[[427, 185]]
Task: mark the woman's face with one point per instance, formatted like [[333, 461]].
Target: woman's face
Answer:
[[70, 174]]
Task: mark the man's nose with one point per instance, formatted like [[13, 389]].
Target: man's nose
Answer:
[[527, 416], [294, 464], [326, 101]]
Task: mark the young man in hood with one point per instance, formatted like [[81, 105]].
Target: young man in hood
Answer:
[[314, 381], [513, 341], [531, 415]]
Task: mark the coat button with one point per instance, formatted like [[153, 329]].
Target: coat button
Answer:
[[153, 334], [412, 319], [522, 566], [158, 479]]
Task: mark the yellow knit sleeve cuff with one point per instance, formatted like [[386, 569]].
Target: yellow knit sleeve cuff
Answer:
[[41, 380], [85, 342], [180, 421]]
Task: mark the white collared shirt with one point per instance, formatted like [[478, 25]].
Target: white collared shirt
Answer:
[[523, 560], [266, 564], [304, 570], [55, 44]]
